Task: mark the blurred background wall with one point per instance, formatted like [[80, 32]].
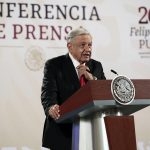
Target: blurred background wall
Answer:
[[33, 31]]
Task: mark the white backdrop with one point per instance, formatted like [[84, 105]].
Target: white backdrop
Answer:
[[33, 31]]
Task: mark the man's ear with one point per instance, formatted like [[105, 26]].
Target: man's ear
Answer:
[[69, 46]]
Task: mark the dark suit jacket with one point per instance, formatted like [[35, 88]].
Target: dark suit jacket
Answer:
[[60, 82]]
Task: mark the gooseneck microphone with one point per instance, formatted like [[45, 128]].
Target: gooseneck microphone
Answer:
[[113, 71]]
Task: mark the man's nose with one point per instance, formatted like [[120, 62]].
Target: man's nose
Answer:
[[87, 48]]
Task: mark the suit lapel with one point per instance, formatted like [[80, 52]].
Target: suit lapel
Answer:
[[70, 72], [89, 64]]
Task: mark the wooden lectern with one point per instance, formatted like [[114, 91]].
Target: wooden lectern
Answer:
[[96, 98]]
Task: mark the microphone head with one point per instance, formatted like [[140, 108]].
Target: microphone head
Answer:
[[114, 71]]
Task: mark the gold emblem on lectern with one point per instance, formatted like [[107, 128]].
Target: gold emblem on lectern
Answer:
[[34, 58], [123, 90]]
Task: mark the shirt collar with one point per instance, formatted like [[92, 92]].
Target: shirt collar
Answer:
[[74, 61]]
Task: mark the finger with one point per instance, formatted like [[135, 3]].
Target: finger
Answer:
[[87, 69], [57, 108], [55, 111], [81, 70], [88, 76], [53, 114], [80, 66]]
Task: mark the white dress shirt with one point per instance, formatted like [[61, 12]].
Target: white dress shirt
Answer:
[[75, 63]]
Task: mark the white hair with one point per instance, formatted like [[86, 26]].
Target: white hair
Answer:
[[77, 32]]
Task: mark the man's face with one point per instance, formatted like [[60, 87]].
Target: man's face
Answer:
[[80, 48]]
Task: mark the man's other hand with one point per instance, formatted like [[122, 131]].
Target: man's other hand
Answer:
[[54, 111]]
